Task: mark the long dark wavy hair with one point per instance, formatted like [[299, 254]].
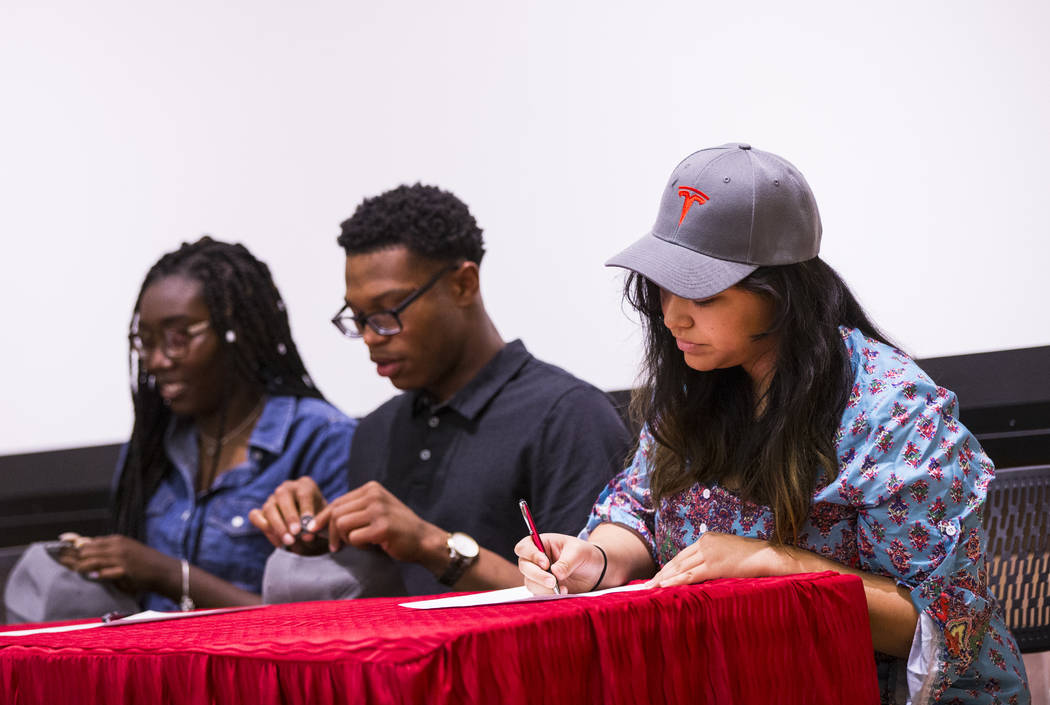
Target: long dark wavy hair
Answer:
[[705, 423], [241, 297]]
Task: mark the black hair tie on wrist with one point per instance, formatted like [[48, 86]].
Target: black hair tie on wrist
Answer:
[[605, 566]]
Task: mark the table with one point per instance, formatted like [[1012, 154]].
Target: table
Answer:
[[796, 639]]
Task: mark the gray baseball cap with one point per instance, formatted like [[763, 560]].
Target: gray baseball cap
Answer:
[[725, 212]]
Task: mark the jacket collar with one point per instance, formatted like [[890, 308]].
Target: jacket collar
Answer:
[[269, 435]]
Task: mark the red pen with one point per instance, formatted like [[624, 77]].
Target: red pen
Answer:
[[527, 515]]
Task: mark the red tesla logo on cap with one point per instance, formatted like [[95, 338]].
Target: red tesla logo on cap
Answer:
[[691, 196]]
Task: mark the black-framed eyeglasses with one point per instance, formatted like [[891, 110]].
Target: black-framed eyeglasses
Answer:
[[383, 322], [174, 340]]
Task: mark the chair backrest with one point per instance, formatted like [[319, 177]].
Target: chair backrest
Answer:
[[1017, 519], [621, 399]]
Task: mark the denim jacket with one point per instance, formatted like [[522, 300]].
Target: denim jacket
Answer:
[[210, 529]]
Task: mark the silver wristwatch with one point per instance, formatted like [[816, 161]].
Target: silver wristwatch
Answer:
[[463, 552]]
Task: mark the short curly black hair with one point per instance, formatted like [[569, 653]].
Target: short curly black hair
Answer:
[[425, 219]]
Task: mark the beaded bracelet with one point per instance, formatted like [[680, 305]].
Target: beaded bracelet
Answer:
[[605, 565]]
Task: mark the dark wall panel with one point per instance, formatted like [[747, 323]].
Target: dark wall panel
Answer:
[[43, 494]]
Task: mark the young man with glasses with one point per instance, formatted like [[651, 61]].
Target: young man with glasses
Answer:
[[437, 471]]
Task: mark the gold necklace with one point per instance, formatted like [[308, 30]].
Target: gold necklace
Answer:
[[210, 445]]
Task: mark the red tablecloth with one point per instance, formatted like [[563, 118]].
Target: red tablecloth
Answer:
[[800, 639]]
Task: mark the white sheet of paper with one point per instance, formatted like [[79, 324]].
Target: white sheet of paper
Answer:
[[52, 630], [147, 616], [500, 597]]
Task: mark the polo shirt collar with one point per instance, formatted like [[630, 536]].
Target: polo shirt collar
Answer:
[[469, 401]]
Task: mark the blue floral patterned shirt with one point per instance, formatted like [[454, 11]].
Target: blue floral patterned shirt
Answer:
[[210, 529], [906, 504]]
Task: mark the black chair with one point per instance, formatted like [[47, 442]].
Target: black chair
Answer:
[[621, 399], [1017, 519], [44, 494]]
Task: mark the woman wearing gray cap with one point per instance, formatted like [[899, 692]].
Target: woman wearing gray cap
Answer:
[[784, 434]]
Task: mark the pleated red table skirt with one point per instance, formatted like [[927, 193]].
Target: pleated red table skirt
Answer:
[[799, 639]]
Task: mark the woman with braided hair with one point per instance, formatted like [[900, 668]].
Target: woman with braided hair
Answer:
[[224, 413]]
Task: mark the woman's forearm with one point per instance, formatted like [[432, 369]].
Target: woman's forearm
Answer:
[[628, 555], [206, 590]]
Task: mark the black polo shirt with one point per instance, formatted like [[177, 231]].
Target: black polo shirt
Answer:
[[520, 429]]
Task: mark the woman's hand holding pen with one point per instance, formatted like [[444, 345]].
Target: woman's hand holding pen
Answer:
[[577, 564], [580, 565]]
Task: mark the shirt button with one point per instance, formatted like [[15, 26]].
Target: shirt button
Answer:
[[424, 454], [433, 422], [256, 455], [948, 528], [237, 522], [707, 494], [703, 528], [186, 515]]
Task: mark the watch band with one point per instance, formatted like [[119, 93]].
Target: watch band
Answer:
[[459, 563]]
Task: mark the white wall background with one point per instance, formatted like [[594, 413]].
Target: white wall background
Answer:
[[127, 127]]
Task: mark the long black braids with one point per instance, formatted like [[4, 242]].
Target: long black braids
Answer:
[[249, 318]]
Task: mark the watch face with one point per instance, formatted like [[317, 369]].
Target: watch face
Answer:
[[464, 545]]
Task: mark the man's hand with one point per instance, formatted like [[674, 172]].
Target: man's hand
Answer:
[[371, 515], [290, 517]]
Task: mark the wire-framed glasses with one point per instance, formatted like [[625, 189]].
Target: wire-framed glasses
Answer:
[[174, 340], [386, 322]]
